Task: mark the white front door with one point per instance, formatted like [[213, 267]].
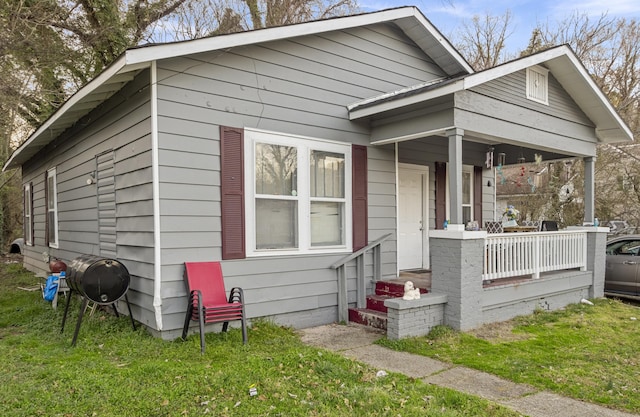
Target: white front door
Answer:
[[413, 243]]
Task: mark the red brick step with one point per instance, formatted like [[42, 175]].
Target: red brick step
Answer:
[[375, 315], [368, 317]]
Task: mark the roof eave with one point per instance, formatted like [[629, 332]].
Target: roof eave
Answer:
[[616, 130], [137, 58], [368, 108], [231, 40], [115, 75]]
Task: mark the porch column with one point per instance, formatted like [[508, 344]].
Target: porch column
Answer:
[[589, 189], [455, 175]]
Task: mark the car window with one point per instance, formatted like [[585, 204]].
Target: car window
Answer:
[[627, 247]]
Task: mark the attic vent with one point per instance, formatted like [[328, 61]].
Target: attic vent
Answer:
[[537, 84]]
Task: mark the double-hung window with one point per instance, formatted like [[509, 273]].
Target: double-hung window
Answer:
[[298, 194], [468, 184], [467, 194], [28, 214], [51, 194]]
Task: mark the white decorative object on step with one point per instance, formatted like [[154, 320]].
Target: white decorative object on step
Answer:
[[410, 293]]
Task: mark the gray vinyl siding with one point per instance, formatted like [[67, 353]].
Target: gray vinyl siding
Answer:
[[122, 125], [512, 89], [299, 86], [500, 108]]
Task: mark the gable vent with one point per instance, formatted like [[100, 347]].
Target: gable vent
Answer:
[[538, 85]]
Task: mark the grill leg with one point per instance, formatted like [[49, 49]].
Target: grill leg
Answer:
[[66, 310], [133, 324], [83, 307]]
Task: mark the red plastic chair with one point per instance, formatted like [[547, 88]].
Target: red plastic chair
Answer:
[[207, 299]]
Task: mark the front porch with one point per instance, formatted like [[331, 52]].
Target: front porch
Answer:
[[461, 258], [478, 278]]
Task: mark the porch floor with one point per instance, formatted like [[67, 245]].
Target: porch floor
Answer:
[[421, 278], [520, 279]]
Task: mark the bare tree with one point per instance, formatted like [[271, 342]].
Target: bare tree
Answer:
[[50, 48], [482, 41], [212, 17], [610, 50], [587, 37]]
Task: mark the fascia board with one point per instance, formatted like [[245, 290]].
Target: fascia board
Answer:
[[444, 42], [407, 101], [491, 74], [171, 50], [602, 100]]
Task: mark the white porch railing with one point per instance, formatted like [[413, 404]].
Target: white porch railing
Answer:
[[516, 254]]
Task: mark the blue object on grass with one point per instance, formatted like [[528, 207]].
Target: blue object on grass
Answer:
[[50, 288]]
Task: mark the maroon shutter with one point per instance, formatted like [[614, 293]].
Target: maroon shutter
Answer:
[[441, 194], [359, 197], [477, 195], [46, 208], [232, 192]]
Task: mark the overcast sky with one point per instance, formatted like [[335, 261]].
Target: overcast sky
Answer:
[[448, 15]]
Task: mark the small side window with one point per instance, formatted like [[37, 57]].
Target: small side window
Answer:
[[52, 208], [28, 214]]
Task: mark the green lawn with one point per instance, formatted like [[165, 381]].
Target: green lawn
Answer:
[[585, 352], [114, 371]]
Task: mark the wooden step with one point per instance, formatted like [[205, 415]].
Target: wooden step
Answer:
[[368, 317]]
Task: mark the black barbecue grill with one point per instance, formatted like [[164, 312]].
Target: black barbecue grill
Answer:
[[100, 280]]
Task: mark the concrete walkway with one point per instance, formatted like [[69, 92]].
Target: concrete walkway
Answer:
[[356, 342]]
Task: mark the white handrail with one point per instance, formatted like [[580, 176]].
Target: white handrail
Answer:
[[517, 254]]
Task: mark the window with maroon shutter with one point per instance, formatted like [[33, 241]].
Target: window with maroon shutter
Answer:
[[359, 198], [232, 192], [298, 194]]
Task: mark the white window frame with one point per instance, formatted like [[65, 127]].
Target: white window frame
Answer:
[[28, 214], [52, 197], [465, 168], [538, 84], [304, 146]]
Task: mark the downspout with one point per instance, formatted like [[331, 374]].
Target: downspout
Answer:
[[157, 258]]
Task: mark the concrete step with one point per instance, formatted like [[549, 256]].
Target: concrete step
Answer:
[[368, 317]]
